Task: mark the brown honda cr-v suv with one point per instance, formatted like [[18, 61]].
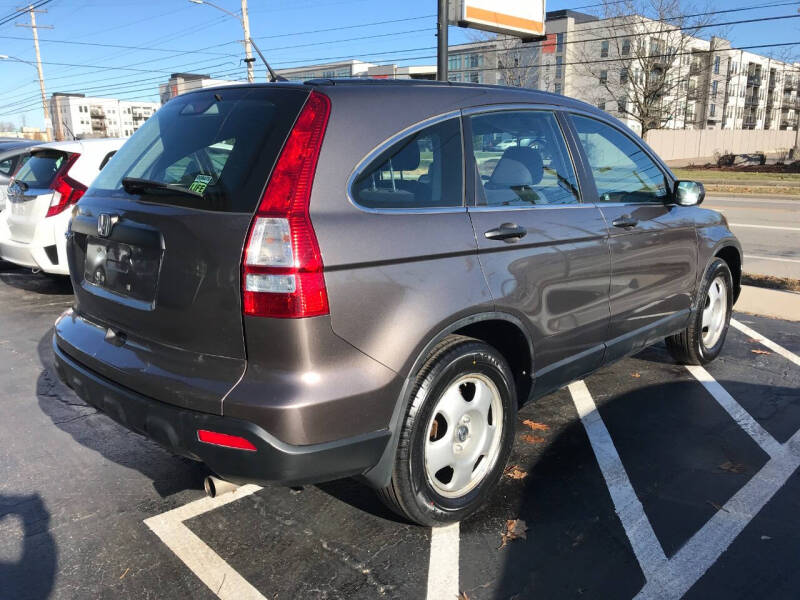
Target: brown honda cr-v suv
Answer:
[[302, 282]]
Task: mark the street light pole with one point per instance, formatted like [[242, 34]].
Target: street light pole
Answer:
[[245, 22], [48, 123], [248, 51], [441, 52]]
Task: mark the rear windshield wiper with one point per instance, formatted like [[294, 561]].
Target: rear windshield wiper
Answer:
[[134, 185]]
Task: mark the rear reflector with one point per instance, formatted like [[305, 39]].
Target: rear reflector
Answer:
[[66, 191], [223, 439], [282, 264]]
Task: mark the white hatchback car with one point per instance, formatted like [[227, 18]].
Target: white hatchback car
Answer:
[[34, 224]]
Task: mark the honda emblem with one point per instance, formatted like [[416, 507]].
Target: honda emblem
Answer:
[[105, 223]]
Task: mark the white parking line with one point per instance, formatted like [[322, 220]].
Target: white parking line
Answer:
[[754, 257], [777, 349], [206, 564], [443, 564], [764, 226], [692, 561], [743, 418], [640, 532]]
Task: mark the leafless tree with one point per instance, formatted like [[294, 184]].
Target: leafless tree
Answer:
[[641, 56]]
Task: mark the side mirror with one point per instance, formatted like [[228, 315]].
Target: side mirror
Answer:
[[688, 193]]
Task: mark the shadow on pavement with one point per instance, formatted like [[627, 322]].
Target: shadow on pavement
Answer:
[[169, 473], [40, 283], [33, 575]]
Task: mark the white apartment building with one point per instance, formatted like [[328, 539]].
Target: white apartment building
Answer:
[[706, 85], [355, 69], [77, 116]]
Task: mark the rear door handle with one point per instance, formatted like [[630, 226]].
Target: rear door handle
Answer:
[[625, 221], [508, 232]]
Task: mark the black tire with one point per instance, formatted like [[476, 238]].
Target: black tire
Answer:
[[687, 347], [409, 493]]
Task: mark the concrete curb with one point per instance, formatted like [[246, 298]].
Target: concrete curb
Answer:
[[779, 304]]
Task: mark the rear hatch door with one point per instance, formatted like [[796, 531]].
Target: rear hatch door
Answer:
[[156, 245], [30, 195]]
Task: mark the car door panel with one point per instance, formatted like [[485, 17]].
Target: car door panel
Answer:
[[556, 276], [652, 241]]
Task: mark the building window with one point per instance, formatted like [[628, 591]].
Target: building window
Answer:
[[559, 42], [626, 46], [603, 77], [621, 104], [716, 65], [558, 88], [623, 76], [601, 104], [454, 63], [475, 60], [559, 63], [712, 110], [604, 48], [714, 86], [474, 77]]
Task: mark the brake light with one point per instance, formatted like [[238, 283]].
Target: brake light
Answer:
[[67, 191], [282, 264], [225, 440]]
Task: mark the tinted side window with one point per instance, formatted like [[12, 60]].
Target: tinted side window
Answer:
[[622, 170], [421, 171], [522, 160]]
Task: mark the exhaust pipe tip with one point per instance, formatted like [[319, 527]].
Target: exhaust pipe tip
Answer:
[[214, 486]]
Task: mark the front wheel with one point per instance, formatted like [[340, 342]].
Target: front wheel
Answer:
[[702, 341], [457, 434]]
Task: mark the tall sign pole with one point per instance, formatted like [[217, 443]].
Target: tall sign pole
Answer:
[[34, 27], [441, 53]]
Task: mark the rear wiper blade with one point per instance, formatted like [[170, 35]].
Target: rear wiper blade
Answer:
[[134, 185]]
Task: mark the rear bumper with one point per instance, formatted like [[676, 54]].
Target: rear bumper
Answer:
[[176, 429], [48, 237]]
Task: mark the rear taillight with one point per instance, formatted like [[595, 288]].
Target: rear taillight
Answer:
[[66, 190], [282, 265]]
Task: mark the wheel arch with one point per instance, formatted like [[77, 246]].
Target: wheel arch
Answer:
[[733, 257], [504, 331]]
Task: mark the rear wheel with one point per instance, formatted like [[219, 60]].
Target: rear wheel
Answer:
[[702, 341], [457, 433]]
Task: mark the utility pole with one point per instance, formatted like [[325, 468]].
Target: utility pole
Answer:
[[248, 51], [34, 27], [441, 53]]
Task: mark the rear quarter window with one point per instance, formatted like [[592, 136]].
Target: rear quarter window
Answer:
[[221, 144]]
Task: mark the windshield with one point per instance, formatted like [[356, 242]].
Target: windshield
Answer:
[[219, 144]]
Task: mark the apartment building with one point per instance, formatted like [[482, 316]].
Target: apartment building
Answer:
[[78, 116], [357, 68], [690, 82]]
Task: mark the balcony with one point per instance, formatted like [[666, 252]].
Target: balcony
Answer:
[[751, 100], [754, 80], [693, 93], [790, 84], [97, 113]]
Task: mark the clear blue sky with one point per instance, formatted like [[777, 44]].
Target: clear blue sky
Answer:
[[178, 36]]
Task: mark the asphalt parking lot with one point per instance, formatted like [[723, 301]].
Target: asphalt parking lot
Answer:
[[647, 479]]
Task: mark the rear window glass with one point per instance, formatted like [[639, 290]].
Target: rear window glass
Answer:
[[41, 168], [220, 144]]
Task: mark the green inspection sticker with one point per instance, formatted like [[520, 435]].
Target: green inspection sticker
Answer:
[[200, 183]]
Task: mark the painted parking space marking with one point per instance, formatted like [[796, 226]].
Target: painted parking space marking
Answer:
[[443, 564], [743, 419], [776, 348], [692, 561], [201, 560], [631, 513], [664, 577]]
